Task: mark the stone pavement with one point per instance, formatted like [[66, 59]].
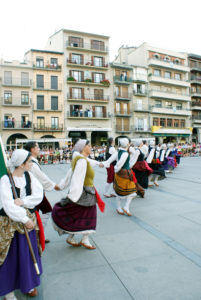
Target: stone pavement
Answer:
[[155, 254]]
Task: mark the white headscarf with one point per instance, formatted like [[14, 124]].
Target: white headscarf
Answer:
[[79, 146], [18, 158], [138, 143], [123, 142]]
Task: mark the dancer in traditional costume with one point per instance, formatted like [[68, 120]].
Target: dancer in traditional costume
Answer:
[[124, 178], [141, 167], [16, 266], [110, 150], [48, 185], [169, 164], [155, 164], [76, 214]]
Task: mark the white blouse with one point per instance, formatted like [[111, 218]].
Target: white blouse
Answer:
[[15, 212], [47, 183]]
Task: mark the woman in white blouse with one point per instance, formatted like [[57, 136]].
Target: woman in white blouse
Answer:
[[16, 265]]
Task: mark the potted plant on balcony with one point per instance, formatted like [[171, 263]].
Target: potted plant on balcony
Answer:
[[105, 82], [71, 78], [88, 80]]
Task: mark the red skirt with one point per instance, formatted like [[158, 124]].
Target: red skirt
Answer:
[[110, 174]]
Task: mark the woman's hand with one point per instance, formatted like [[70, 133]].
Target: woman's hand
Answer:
[[29, 225], [18, 202]]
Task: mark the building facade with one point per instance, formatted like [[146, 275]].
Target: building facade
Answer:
[[47, 93], [16, 101], [86, 84], [195, 77]]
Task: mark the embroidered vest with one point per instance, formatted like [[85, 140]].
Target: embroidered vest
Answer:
[[126, 164], [89, 177]]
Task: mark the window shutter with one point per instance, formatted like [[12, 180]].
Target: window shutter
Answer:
[[82, 60], [93, 108], [70, 73], [103, 76], [82, 93], [70, 57], [92, 61], [71, 92], [82, 76], [104, 111], [92, 76], [103, 60]]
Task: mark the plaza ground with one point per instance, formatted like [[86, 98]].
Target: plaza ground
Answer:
[[155, 254]]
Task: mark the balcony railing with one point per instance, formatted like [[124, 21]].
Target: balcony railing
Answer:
[[195, 65], [197, 91], [86, 46], [139, 77], [48, 127], [171, 62], [47, 86], [140, 93], [122, 79], [16, 101], [144, 107], [12, 125], [47, 67], [123, 95], [88, 80], [196, 104], [91, 97], [123, 129], [173, 81], [171, 92], [196, 78], [17, 82], [59, 108], [87, 114], [87, 63], [123, 114], [196, 118]]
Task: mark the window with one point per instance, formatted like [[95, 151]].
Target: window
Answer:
[[177, 61], [54, 82], [8, 121], [156, 56], [139, 104], [98, 77], [54, 102], [40, 122], [158, 103], [182, 123], [179, 106], [25, 121], [176, 123], [162, 122], [7, 97], [125, 108], [98, 61], [166, 58], [40, 102], [117, 91], [54, 123], [177, 76], [155, 122], [157, 73], [76, 93], [78, 75], [24, 98], [140, 124], [98, 94], [39, 62], [169, 122], [98, 45], [24, 78], [139, 88], [53, 62], [123, 76], [40, 81], [75, 42], [118, 107], [99, 111], [168, 104], [76, 59], [167, 75], [8, 77]]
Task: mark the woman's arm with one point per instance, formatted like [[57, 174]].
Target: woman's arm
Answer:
[[36, 193], [121, 162]]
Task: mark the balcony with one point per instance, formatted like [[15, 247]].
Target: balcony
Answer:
[[169, 95], [195, 66], [196, 105], [46, 86], [16, 102], [59, 108], [196, 93], [122, 114], [86, 115], [16, 125], [123, 96], [196, 79], [171, 110], [17, 82], [47, 67], [142, 108], [141, 129], [123, 129], [86, 64], [169, 64], [169, 81], [87, 81], [88, 98], [139, 78], [87, 47], [140, 93], [196, 119], [122, 80], [48, 127]]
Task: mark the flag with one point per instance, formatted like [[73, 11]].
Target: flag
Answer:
[[3, 160]]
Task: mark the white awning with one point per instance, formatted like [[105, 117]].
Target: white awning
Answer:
[[48, 140], [88, 129], [173, 131]]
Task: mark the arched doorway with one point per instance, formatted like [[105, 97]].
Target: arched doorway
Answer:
[[98, 138], [120, 137], [11, 141], [77, 135], [48, 145]]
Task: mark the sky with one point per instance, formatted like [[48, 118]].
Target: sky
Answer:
[[173, 24]]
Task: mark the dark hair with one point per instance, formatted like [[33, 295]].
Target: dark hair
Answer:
[[29, 155], [87, 142], [29, 146], [75, 141], [109, 143], [144, 142]]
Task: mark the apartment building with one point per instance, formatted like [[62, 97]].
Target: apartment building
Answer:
[[168, 90], [15, 101], [195, 78], [121, 78], [47, 94], [86, 83]]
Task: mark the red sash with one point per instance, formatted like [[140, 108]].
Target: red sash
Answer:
[[41, 231], [100, 202]]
